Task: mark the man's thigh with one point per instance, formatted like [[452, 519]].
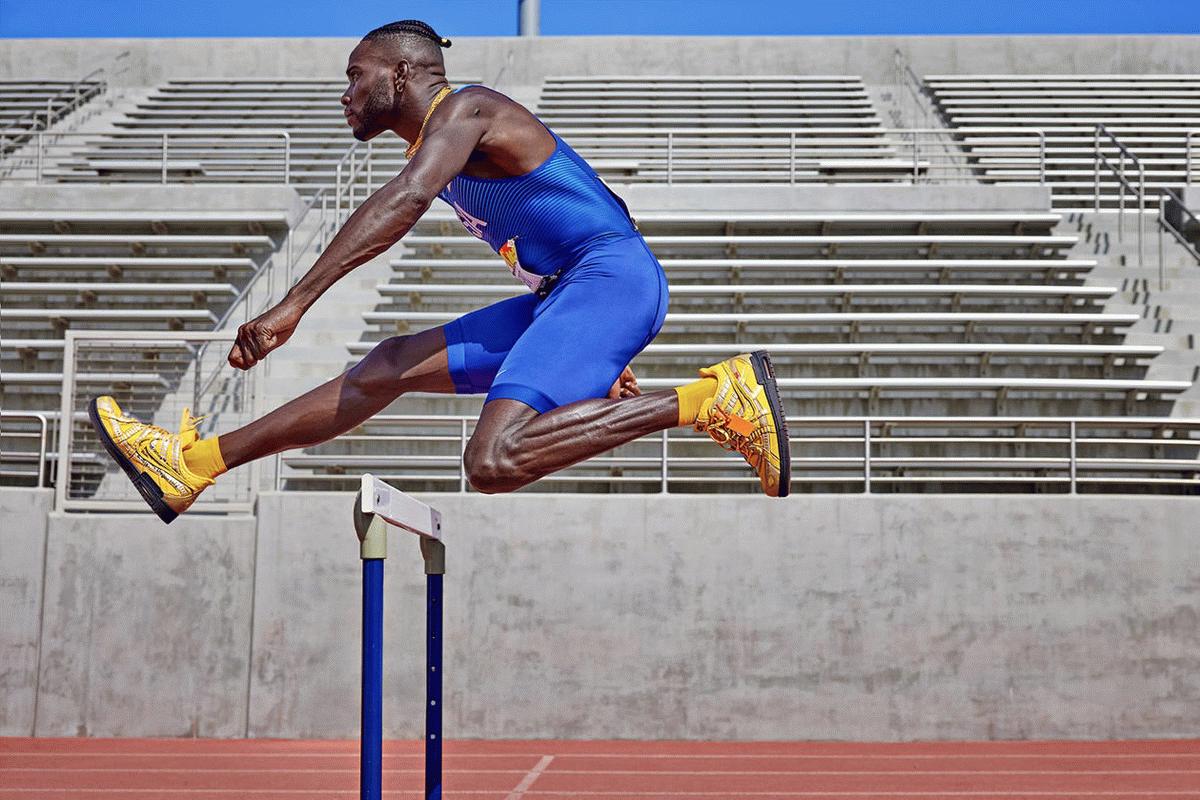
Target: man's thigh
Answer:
[[477, 343], [588, 330]]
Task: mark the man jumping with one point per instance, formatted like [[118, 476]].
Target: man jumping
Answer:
[[554, 362]]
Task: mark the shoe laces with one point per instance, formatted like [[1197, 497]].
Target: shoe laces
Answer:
[[717, 426], [148, 432], [187, 422]]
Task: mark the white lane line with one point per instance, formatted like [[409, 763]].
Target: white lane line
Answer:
[[527, 781], [561, 771], [582, 754], [325, 793]]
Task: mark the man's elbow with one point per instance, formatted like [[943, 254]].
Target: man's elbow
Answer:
[[406, 200]]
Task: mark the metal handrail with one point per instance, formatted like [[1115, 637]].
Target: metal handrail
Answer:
[[871, 430], [30, 123], [922, 98], [162, 140], [1165, 224], [1138, 189], [43, 437], [342, 192], [1191, 160], [791, 141], [71, 342], [935, 153]]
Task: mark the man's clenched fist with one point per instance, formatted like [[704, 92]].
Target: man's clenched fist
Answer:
[[263, 334]]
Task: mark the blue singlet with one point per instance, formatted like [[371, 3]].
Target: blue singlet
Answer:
[[608, 304]]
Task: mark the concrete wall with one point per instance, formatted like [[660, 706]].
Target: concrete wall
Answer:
[[827, 617], [146, 630], [76, 197], [22, 547], [512, 61]]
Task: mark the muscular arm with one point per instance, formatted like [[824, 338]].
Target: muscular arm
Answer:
[[380, 222], [395, 207]]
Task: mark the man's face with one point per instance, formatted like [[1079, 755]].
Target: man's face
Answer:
[[369, 99]]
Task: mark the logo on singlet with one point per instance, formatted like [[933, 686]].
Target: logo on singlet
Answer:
[[473, 224]]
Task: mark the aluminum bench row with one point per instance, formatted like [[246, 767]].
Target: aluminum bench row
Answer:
[[841, 291], [718, 349], [69, 315], [1068, 268], [841, 320], [10, 266], [45, 240], [10, 219], [46, 288]]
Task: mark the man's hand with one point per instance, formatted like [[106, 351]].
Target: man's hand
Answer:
[[625, 386], [263, 334]]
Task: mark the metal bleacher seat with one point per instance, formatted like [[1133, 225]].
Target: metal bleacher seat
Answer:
[[739, 128], [116, 270], [1014, 323], [228, 130], [27, 106], [923, 316], [1151, 114]]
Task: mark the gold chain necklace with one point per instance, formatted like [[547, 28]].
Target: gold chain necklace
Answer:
[[442, 94]]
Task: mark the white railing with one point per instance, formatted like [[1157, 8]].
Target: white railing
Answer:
[[859, 453], [58, 105], [86, 477], [42, 436], [160, 156], [827, 451], [810, 155], [1176, 218], [1191, 160], [1119, 171], [324, 213], [921, 99]]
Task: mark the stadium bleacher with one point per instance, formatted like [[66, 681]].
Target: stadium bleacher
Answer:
[[118, 270], [907, 315], [690, 128], [857, 312], [225, 131], [27, 106], [1152, 115]]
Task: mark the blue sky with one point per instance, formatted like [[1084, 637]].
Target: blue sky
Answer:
[[36, 18]]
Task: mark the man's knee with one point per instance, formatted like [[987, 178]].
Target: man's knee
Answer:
[[381, 369], [490, 467]]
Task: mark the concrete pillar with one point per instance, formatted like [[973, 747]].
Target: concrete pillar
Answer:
[[529, 17]]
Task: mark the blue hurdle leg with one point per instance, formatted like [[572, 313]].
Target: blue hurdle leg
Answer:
[[371, 761], [435, 566]]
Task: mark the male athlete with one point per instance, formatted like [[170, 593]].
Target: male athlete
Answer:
[[553, 362]]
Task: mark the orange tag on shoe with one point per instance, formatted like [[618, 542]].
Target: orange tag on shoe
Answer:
[[742, 427]]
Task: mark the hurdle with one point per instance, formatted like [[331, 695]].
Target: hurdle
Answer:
[[377, 506]]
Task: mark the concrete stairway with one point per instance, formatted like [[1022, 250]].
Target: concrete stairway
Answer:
[[1170, 312]]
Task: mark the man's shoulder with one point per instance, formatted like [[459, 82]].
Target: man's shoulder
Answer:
[[478, 93]]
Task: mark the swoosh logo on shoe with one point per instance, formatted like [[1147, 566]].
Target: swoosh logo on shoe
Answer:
[[155, 462]]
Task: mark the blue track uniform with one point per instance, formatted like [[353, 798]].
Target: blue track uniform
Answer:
[[607, 302]]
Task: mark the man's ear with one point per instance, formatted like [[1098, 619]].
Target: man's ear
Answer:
[[400, 75]]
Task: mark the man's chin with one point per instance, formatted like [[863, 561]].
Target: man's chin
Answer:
[[364, 134]]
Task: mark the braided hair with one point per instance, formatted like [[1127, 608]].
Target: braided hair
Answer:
[[408, 27]]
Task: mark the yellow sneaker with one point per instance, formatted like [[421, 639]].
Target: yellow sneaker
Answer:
[[151, 456], [746, 415]]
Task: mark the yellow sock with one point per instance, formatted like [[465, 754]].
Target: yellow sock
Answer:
[[203, 457], [692, 396]]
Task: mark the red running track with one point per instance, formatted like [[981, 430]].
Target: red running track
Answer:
[[210, 769]]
